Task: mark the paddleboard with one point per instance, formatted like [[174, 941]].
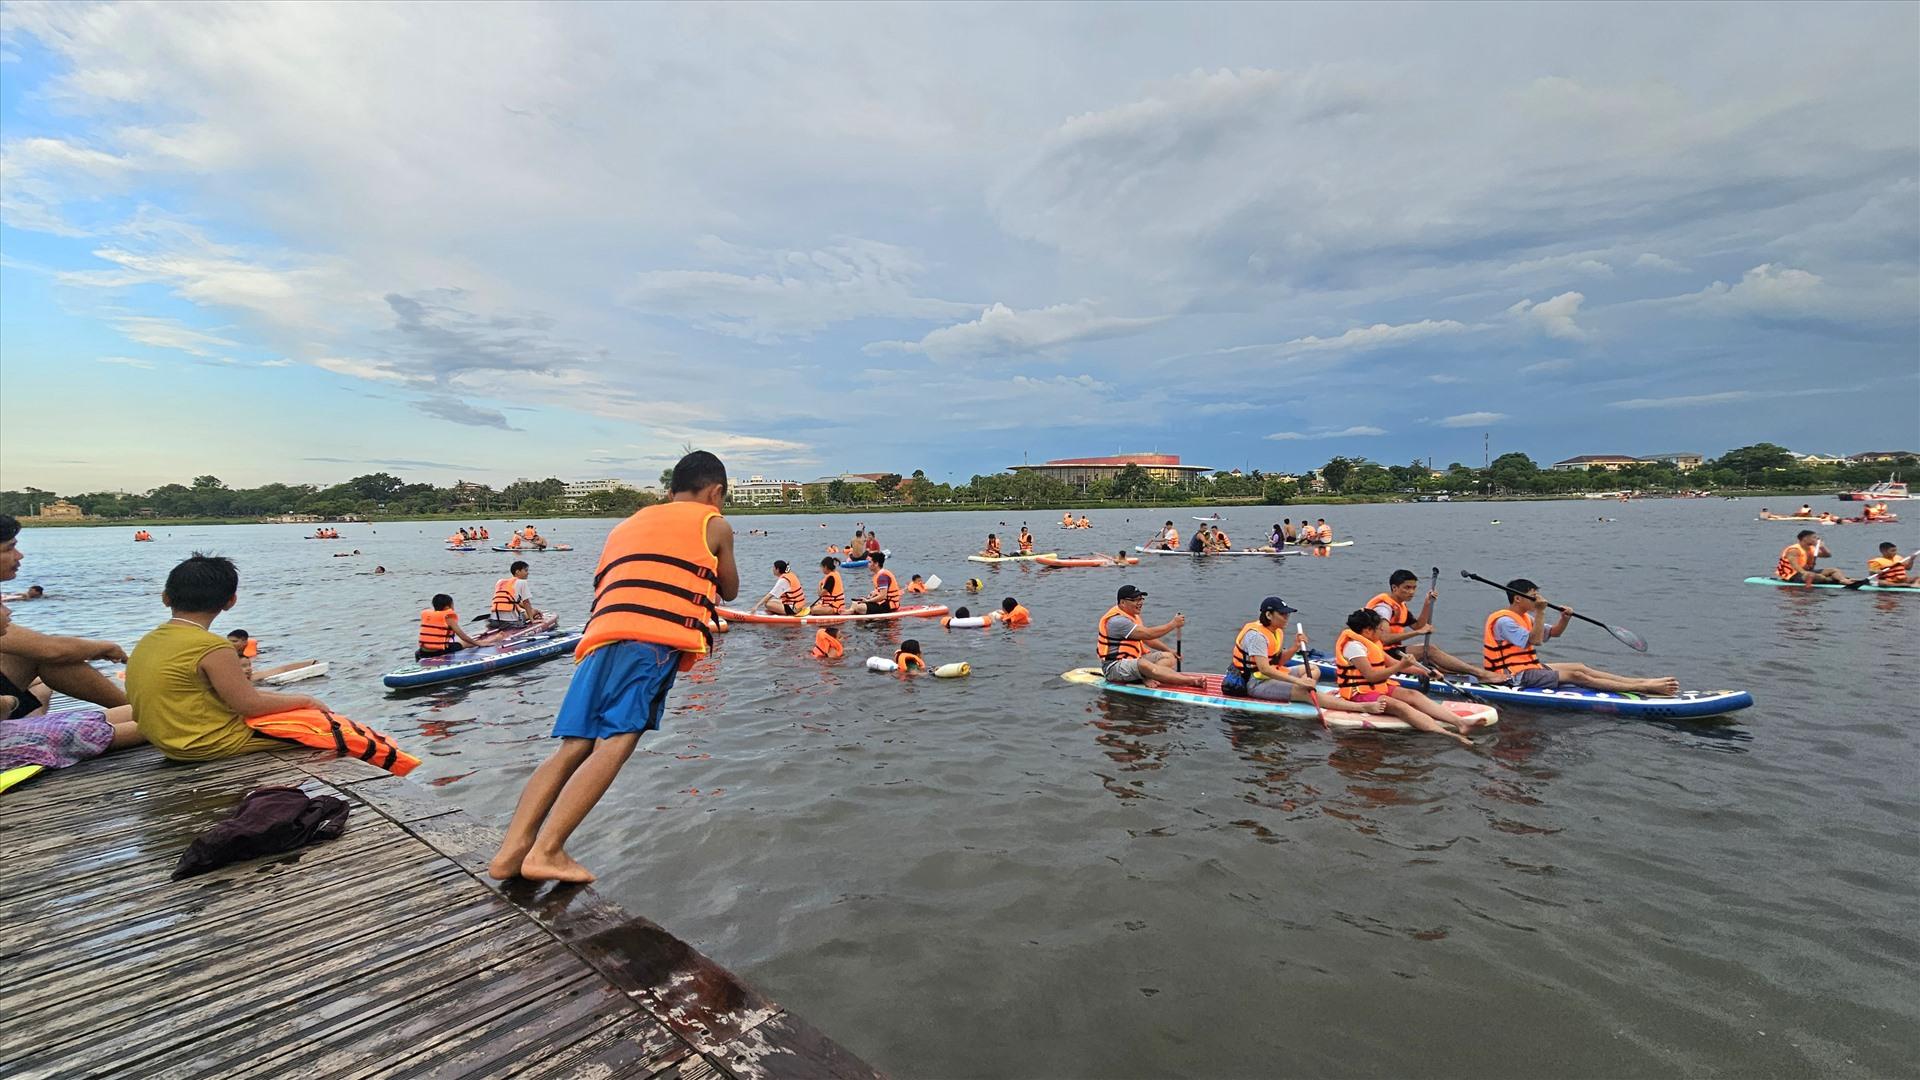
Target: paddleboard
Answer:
[[19, 774], [311, 671], [472, 663], [1687, 705], [1335, 544], [1217, 554], [535, 550], [1210, 520], [1055, 560], [1010, 558], [1776, 582], [461, 547], [929, 611], [1210, 696], [855, 564]]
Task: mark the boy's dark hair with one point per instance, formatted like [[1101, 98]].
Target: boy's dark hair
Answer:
[[1363, 620], [518, 565], [241, 634], [779, 566], [202, 583], [441, 601], [1804, 533], [9, 527], [911, 645], [1886, 546], [829, 563], [696, 471], [962, 613], [1401, 577], [877, 558], [1519, 587], [1009, 604]]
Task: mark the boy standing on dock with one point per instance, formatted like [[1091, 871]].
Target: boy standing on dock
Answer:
[[654, 592]]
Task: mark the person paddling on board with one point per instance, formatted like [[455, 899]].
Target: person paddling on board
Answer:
[[512, 599], [992, 550], [1167, 540], [1257, 668], [1364, 673], [1130, 651], [1400, 627], [1806, 510], [1512, 634], [1891, 568], [1026, 541], [1085, 523], [440, 630], [1797, 562], [885, 597], [832, 598], [1066, 521], [660, 573], [786, 597]]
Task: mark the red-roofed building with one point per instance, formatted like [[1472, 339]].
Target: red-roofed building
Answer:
[[1079, 472]]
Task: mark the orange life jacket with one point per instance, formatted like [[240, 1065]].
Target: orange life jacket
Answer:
[[1896, 570], [1401, 618], [793, 595], [916, 586], [1085, 524], [1499, 655], [993, 547], [1243, 661], [1108, 649], [1794, 560], [656, 582], [529, 532], [436, 630], [1347, 673], [907, 661], [887, 586], [504, 599], [832, 595], [483, 535], [1173, 538], [251, 648], [1019, 616], [326, 731], [1220, 539], [1026, 544], [826, 646], [513, 542]]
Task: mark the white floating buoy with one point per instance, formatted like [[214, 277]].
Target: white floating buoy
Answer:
[[952, 671]]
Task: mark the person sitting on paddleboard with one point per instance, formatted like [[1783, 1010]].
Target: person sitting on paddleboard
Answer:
[[1257, 667], [512, 599], [1217, 539], [1364, 673], [1513, 633], [992, 550], [1890, 568], [1169, 538], [1198, 543], [1399, 627], [1806, 510], [885, 597], [1084, 523], [1026, 541], [1289, 533], [1275, 539], [786, 597], [832, 599], [1798, 558], [857, 547], [1130, 651], [440, 630]]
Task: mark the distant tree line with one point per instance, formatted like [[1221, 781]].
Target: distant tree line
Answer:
[[375, 494]]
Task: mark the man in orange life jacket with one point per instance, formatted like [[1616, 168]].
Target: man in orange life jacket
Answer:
[[1891, 568], [1797, 562], [660, 573], [1130, 651], [786, 597], [885, 597], [1399, 626], [1515, 631], [512, 599]]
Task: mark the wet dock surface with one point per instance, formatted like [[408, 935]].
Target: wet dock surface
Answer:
[[386, 952]]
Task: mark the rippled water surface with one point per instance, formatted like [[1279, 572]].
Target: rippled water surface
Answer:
[[1009, 875]]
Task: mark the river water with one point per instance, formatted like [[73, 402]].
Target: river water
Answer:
[[1009, 875]]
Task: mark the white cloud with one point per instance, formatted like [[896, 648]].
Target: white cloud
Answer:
[[1547, 367], [1686, 401], [364, 369], [167, 333], [1650, 261], [1472, 419], [1356, 431], [1443, 379], [1366, 337], [1003, 331], [1770, 290], [128, 361], [1554, 317]]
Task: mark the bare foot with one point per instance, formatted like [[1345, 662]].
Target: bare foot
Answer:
[[1374, 707], [1668, 687], [507, 861], [557, 867]]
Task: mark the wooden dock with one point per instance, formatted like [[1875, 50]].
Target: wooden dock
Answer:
[[386, 952]]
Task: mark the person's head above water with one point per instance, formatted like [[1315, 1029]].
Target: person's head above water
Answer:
[[1009, 604]]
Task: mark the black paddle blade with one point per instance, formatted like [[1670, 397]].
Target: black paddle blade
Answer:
[[1628, 638]]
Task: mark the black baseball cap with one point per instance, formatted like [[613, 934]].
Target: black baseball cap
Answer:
[[1128, 592], [1274, 603]]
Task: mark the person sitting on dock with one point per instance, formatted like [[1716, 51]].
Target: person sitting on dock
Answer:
[[832, 597], [992, 550], [34, 666], [1798, 559], [190, 695], [513, 599], [786, 597], [673, 559], [1891, 568], [1130, 651], [1513, 633], [885, 597], [1400, 627]]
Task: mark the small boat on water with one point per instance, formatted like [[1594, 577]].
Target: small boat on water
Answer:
[[1885, 489]]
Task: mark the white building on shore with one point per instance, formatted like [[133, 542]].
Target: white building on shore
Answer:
[[760, 491]]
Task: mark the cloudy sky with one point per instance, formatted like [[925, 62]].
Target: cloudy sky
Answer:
[[300, 241]]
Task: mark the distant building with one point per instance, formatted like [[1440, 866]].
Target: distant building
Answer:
[[1879, 457], [1682, 462], [59, 510], [1820, 459], [1080, 472], [759, 491], [1590, 462], [578, 490]]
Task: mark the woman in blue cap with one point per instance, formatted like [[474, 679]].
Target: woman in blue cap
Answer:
[[1258, 667]]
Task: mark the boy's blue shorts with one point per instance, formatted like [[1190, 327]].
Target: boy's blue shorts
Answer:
[[619, 688]]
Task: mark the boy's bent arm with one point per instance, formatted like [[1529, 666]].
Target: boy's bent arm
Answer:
[[720, 542], [231, 685]]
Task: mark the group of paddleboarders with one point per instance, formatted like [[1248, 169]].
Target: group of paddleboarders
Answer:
[[467, 534], [441, 632], [1799, 562], [787, 597], [858, 548], [1067, 522], [527, 537], [992, 549]]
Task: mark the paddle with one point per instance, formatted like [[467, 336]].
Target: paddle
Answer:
[[1312, 673], [1426, 644], [1176, 648], [1620, 633]]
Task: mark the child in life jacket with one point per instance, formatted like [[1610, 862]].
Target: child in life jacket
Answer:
[[908, 658], [916, 585], [826, 644], [1012, 614]]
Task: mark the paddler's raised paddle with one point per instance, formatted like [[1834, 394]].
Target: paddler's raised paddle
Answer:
[[1426, 644], [1620, 633], [1176, 647], [1313, 676]]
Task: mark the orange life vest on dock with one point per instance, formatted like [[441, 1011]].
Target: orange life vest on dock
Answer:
[[328, 731]]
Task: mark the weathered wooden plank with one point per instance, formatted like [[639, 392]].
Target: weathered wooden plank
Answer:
[[399, 799], [789, 1048], [633, 1041], [687, 1068], [700, 1000], [143, 775], [538, 1024]]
